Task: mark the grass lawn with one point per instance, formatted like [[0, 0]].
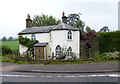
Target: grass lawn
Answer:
[[12, 44]]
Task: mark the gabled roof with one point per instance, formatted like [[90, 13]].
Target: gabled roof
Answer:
[[46, 29]]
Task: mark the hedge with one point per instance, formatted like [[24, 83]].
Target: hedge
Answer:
[[109, 41]]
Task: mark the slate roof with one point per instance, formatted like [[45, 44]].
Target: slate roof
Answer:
[[46, 29], [40, 44]]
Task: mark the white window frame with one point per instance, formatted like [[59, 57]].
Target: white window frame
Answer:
[[69, 52], [69, 35], [33, 37], [58, 51]]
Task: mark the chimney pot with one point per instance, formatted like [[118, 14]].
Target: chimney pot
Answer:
[[64, 18], [28, 21]]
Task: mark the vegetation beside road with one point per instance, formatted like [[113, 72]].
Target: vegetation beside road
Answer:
[[105, 57]]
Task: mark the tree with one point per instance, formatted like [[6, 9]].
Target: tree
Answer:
[[88, 29], [104, 29], [4, 39], [44, 20], [74, 20], [10, 39]]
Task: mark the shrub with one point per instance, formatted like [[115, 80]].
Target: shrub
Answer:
[[114, 55], [109, 41], [6, 50], [20, 62], [102, 57]]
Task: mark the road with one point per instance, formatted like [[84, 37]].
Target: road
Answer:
[[9, 76], [54, 77]]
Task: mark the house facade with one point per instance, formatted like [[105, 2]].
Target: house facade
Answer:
[[53, 40]]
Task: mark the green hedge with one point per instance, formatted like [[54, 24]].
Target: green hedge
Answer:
[[109, 41]]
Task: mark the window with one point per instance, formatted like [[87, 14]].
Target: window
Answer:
[[58, 51], [33, 37], [69, 35], [69, 51]]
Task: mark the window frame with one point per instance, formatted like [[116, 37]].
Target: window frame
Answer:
[[58, 51], [69, 35], [69, 52], [33, 37]]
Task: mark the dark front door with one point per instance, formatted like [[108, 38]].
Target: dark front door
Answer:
[[39, 53]]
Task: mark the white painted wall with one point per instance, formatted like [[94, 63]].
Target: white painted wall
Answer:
[[54, 38], [22, 48], [59, 37], [41, 37]]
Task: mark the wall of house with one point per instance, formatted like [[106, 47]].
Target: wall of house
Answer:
[[59, 37], [54, 38], [22, 48], [41, 37]]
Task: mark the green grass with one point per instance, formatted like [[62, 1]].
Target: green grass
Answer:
[[12, 44]]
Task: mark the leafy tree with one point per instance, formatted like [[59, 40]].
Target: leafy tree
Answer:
[[44, 20], [74, 20], [88, 29], [104, 29], [10, 39], [4, 39]]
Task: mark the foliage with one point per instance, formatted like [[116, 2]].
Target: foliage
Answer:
[[114, 55], [44, 20], [104, 29], [12, 44], [102, 57], [28, 43], [6, 50], [108, 56], [88, 29], [20, 62], [10, 39], [74, 20], [108, 41], [4, 39], [88, 35]]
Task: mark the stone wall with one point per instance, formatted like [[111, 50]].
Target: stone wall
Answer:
[[89, 48]]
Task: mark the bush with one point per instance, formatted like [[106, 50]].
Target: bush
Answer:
[[109, 41], [115, 55], [20, 62], [6, 50], [108, 56], [102, 57]]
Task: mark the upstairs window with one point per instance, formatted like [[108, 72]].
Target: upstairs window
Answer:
[[69, 37], [33, 37], [69, 51], [58, 51]]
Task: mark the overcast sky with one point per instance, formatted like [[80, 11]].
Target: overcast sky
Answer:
[[95, 13]]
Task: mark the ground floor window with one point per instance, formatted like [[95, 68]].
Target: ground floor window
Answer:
[[58, 51], [69, 51]]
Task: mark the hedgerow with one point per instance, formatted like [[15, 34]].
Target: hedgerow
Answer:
[[109, 41]]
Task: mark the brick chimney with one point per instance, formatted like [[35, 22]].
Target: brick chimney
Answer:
[[28, 22], [64, 18]]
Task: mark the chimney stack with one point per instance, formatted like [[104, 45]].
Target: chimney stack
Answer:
[[64, 18], [28, 22]]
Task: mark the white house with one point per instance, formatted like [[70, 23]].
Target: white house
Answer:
[[52, 39]]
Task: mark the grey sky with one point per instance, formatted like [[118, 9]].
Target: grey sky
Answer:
[[95, 13]]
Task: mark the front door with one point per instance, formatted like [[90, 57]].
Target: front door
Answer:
[[39, 53]]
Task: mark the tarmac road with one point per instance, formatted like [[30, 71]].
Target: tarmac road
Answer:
[[54, 77], [9, 76]]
